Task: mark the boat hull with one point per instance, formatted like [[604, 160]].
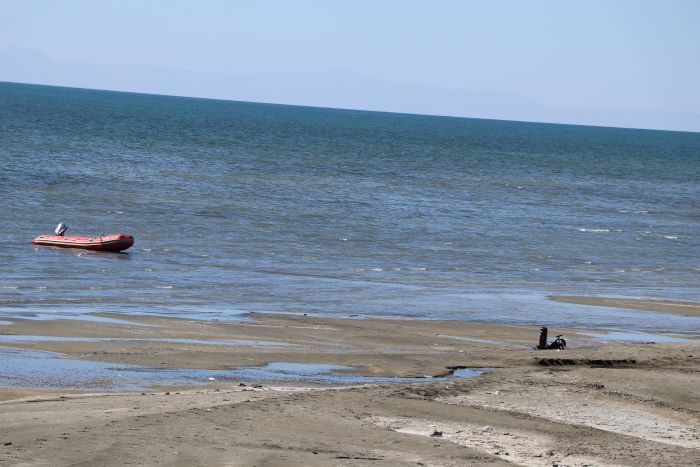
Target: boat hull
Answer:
[[115, 242]]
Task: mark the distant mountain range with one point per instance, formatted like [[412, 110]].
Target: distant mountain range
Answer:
[[338, 89]]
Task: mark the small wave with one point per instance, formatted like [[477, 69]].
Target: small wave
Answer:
[[582, 229], [164, 286], [624, 211], [416, 269], [670, 237]]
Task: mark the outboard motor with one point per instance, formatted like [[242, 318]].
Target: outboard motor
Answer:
[[61, 228]]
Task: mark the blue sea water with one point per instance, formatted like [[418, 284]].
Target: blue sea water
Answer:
[[255, 207]]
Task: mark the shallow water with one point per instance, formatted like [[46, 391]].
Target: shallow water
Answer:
[[242, 207], [244, 342], [41, 369], [611, 336]]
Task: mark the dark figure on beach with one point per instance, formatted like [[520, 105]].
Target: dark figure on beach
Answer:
[[558, 344]]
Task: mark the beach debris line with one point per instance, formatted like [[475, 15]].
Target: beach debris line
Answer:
[[557, 344]]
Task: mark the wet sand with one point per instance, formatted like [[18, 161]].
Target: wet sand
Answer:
[[593, 404]]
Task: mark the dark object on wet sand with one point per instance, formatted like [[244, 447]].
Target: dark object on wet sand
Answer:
[[557, 344], [543, 339]]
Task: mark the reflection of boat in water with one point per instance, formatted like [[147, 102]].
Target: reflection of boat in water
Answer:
[[114, 242]]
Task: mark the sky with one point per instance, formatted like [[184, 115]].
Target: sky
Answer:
[[607, 55]]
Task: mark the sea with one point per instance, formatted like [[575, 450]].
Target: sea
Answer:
[[239, 207]]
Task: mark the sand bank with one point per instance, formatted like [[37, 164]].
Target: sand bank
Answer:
[[665, 306]]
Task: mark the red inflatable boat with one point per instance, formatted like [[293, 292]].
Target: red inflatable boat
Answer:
[[114, 242]]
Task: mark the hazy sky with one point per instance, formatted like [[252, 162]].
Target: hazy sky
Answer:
[[625, 55]]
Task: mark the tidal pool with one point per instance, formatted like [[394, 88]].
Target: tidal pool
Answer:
[[42, 369]]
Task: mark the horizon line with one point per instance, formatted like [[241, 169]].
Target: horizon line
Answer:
[[346, 108]]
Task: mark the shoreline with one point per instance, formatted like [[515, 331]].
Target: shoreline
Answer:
[[594, 403], [371, 347]]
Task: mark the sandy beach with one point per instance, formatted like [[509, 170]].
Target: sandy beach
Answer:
[[596, 403]]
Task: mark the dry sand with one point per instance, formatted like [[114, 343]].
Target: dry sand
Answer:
[[597, 404]]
